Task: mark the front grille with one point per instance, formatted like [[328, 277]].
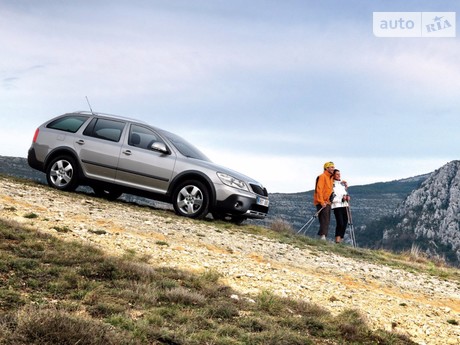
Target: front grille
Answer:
[[259, 190]]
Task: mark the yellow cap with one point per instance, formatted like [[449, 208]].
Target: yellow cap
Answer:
[[328, 165]]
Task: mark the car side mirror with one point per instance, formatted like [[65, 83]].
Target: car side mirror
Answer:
[[159, 147]]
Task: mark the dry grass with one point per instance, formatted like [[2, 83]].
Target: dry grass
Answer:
[[48, 325], [281, 226], [55, 292]]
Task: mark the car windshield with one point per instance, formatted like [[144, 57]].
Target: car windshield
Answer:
[[184, 147]]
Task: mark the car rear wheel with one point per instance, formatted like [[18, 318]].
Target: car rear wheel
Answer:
[[191, 199], [62, 173]]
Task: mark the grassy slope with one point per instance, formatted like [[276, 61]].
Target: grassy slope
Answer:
[[54, 292]]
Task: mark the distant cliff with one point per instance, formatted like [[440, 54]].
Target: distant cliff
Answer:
[[430, 217]]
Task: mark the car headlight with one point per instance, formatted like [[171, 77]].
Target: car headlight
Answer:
[[232, 181]]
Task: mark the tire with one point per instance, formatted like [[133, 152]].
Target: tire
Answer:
[[110, 193], [62, 173], [191, 199]]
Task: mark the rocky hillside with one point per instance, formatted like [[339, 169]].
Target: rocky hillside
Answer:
[[423, 307], [430, 217], [17, 166]]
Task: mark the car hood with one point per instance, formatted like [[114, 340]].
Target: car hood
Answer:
[[219, 168]]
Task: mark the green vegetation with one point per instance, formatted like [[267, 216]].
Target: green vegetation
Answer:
[[62, 229], [57, 292], [30, 215], [98, 232]]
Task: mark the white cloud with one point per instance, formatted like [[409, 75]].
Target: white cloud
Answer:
[[275, 89]]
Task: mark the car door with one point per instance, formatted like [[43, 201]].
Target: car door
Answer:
[[99, 148], [142, 167]]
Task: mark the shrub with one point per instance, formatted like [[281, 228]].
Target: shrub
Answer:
[[280, 225], [181, 295], [30, 215], [51, 326]]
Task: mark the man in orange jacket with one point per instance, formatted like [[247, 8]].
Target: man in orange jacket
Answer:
[[321, 198]]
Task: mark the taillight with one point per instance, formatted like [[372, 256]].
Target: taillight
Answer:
[[35, 136]]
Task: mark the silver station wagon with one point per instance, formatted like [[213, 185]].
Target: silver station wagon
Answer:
[[115, 155]]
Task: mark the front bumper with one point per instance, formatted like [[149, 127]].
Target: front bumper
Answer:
[[242, 206]]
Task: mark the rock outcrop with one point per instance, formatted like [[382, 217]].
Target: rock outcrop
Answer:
[[429, 219]]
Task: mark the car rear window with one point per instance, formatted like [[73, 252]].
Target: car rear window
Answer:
[[105, 129], [68, 124]]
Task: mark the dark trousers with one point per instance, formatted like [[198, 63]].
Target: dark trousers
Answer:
[[341, 219], [324, 218]]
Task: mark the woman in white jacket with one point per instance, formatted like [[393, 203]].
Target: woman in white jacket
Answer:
[[339, 205]]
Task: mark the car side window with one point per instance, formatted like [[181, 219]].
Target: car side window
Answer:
[[142, 137], [105, 129], [68, 123]]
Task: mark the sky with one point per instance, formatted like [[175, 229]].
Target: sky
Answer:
[[272, 89]]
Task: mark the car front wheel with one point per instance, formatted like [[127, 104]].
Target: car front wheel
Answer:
[[191, 199], [62, 173]]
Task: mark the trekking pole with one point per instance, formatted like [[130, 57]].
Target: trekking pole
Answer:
[[352, 228], [310, 221]]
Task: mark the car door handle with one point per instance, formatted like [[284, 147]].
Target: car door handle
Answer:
[[127, 152], [80, 142]]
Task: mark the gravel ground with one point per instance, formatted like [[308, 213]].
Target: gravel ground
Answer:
[[416, 305]]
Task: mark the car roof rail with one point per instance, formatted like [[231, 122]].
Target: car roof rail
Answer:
[[118, 117]]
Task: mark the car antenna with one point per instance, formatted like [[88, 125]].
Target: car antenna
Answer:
[[89, 105]]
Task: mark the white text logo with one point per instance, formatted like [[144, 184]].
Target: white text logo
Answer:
[[414, 24]]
